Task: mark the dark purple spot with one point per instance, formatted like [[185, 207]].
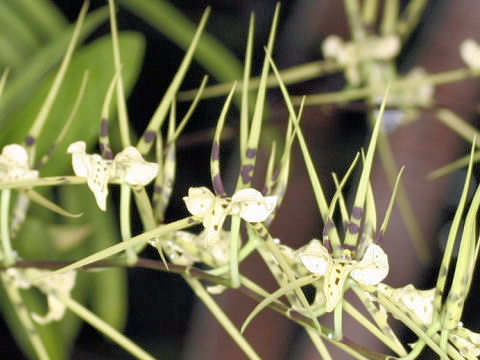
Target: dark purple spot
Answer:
[[353, 228], [108, 155], [265, 237], [218, 186], [264, 190], [104, 128], [149, 136], [157, 189], [245, 173], [251, 153], [215, 151], [357, 212], [326, 229], [349, 247], [326, 243], [29, 140], [190, 221]]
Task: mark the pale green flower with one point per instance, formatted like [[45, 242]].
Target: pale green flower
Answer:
[[128, 167], [249, 204], [14, 164], [370, 270]]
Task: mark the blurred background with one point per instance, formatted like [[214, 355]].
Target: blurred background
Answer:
[[163, 315]]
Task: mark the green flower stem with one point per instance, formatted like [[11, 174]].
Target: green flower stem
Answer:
[[406, 212], [404, 84], [125, 228], [313, 334], [249, 288], [400, 315], [24, 317], [420, 344], [410, 17], [291, 75], [104, 328], [338, 320], [223, 319], [8, 256], [121, 104], [444, 341], [137, 240], [46, 181], [235, 235], [362, 320]]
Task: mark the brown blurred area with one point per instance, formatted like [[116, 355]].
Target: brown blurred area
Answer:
[[334, 134]]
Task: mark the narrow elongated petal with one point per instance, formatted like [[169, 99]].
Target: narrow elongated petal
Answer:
[[373, 268]]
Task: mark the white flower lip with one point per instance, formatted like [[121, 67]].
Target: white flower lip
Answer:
[[249, 204], [128, 166], [372, 269], [14, 164]]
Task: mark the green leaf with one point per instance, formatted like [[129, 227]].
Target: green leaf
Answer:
[[211, 54], [42, 16], [97, 58], [107, 288], [25, 80]]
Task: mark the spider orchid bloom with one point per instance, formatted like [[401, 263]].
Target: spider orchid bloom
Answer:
[[185, 248], [372, 269], [14, 164], [249, 204], [350, 54], [128, 166], [470, 53], [51, 286], [418, 304]]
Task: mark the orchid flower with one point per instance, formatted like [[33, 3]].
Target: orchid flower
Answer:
[[350, 54], [418, 304], [14, 164], [470, 53], [128, 166], [370, 270], [185, 248], [248, 203], [51, 286]]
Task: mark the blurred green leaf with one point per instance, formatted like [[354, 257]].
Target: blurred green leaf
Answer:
[[23, 81], [42, 16], [107, 288], [210, 53], [98, 60]]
